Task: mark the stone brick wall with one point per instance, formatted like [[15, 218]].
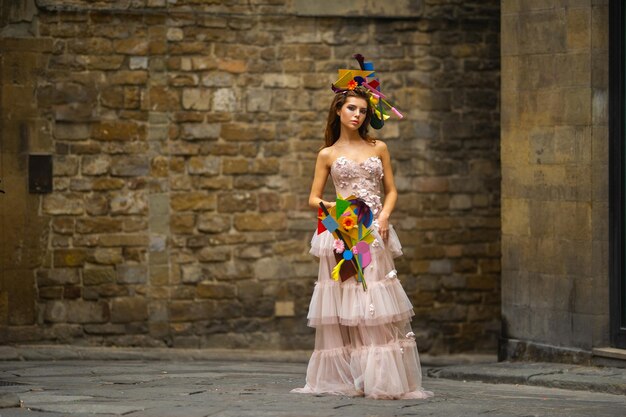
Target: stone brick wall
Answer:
[[554, 175], [184, 136]]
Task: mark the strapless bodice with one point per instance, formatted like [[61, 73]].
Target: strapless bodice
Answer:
[[361, 179]]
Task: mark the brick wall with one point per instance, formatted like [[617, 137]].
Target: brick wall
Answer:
[[554, 174], [184, 137]]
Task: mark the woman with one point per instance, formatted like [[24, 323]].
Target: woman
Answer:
[[364, 345]]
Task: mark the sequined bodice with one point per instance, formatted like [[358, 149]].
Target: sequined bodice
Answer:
[[361, 179]]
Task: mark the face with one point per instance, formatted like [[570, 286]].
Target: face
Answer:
[[353, 113]]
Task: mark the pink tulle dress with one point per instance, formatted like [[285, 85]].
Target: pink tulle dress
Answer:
[[364, 345]]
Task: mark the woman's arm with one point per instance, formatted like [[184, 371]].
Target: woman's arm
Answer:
[[391, 193], [322, 170]]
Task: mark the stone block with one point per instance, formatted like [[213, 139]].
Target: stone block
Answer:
[[192, 274], [69, 257], [118, 131], [259, 222], [214, 223], [204, 165], [248, 182], [431, 184], [98, 276], [45, 293], [114, 240], [482, 282], [183, 310], [79, 311], [600, 221], [138, 62], [128, 202], [58, 276], [130, 166], [572, 144], [599, 25], [182, 223], [175, 34], [235, 66], [95, 164], [515, 217], [543, 32], [224, 100], [129, 309], [214, 254], [440, 266], [268, 268], [159, 204], [71, 131], [132, 274], [131, 46], [599, 105], [158, 242], [284, 309], [97, 184], [236, 202], [232, 166], [230, 270], [281, 80], [573, 220], [460, 202], [159, 275], [258, 100], [537, 71], [98, 225], [269, 202], [200, 131], [239, 131], [196, 99], [265, 166], [59, 204], [577, 105], [599, 70], [192, 201], [541, 218], [55, 312], [216, 290]]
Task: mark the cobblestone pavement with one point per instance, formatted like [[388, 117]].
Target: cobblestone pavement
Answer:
[[252, 388]]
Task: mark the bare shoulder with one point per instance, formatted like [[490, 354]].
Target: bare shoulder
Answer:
[[325, 155], [380, 148]]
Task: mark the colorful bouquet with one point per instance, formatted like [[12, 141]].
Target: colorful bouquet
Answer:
[[350, 223]]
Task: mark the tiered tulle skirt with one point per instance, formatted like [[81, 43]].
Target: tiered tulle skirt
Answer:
[[364, 345]]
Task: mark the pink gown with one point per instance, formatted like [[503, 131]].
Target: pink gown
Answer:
[[364, 345]]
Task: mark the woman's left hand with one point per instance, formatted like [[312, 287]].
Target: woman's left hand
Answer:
[[383, 227]]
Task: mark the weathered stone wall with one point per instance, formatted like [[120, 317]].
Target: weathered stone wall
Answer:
[[184, 136], [554, 175]]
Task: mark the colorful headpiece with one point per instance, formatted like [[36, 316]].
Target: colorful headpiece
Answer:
[[349, 79]]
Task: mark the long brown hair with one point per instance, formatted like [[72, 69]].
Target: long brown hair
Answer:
[[333, 124]]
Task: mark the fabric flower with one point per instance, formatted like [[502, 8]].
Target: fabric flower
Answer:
[[338, 246], [352, 85], [348, 223]]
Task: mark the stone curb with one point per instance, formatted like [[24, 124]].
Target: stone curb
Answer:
[[552, 375], [67, 352]]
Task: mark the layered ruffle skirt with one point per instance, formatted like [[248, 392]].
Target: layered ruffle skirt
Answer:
[[364, 345]]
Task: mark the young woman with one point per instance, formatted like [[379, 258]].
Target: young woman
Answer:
[[364, 345]]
